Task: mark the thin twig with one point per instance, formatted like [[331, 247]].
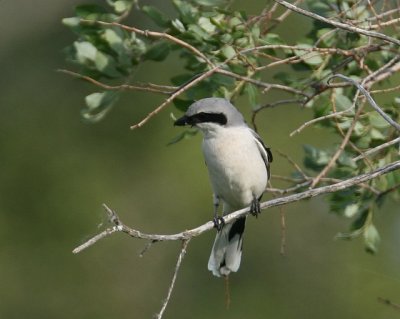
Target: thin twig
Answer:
[[387, 191], [261, 84], [337, 24], [182, 254], [389, 303], [376, 149], [318, 119], [178, 92], [147, 247], [150, 87], [283, 231], [369, 98], [294, 164], [95, 239], [395, 88]]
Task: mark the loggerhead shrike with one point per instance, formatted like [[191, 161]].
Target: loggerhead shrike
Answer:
[[238, 166]]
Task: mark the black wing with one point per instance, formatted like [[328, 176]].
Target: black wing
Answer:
[[265, 151]]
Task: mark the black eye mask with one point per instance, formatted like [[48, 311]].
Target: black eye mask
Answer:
[[218, 118]]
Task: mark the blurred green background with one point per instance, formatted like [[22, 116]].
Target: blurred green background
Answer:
[[56, 171]]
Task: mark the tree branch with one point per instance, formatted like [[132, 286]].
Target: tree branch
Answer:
[[187, 234]]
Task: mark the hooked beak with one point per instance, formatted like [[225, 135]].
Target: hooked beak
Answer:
[[182, 121]]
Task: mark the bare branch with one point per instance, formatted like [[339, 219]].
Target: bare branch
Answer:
[[182, 254], [245, 211], [377, 149], [340, 25]]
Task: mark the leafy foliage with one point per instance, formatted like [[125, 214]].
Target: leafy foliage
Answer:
[[243, 47]]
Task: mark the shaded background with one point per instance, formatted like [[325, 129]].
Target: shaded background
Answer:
[[56, 171]]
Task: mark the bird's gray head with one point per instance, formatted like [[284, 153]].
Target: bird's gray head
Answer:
[[211, 113]]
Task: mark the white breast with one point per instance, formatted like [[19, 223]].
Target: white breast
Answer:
[[236, 168]]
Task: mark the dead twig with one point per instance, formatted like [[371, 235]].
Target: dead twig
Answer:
[[182, 254]]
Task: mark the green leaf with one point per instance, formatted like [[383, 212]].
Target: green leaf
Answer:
[[361, 220], [198, 33], [187, 12], [178, 25], [206, 24], [328, 37], [234, 21], [85, 51], [122, 6], [319, 7], [228, 52], [341, 200], [311, 58], [371, 238], [252, 94], [351, 210], [342, 102], [158, 51], [71, 22], [156, 15], [347, 160], [285, 77], [377, 135], [315, 158], [106, 64], [272, 38], [114, 39], [377, 121], [98, 105]]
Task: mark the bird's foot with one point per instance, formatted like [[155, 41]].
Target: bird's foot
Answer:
[[255, 208], [219, 222]]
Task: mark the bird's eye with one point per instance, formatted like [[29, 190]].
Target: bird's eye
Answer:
[[203, 117]]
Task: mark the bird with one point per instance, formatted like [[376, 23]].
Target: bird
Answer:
[[238, 164]]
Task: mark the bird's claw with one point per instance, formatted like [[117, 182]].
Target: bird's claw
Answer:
[[219, 222], [255, 208]]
